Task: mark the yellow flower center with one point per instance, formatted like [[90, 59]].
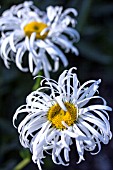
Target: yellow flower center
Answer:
[[56, 115], [36, 27]]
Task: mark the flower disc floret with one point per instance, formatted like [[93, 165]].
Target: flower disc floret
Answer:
[[36, 27], [57, 115]]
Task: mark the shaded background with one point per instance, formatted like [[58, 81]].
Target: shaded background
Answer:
[[95, 24]]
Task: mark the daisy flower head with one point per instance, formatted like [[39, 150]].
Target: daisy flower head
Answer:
[[42, 35], [54, 121]]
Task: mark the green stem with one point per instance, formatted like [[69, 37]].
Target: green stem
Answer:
[[38, 80], [22, 164]]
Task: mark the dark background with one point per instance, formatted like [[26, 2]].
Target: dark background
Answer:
[[95, 24]]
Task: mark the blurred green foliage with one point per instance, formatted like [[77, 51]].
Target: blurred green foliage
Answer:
[[95, 24]]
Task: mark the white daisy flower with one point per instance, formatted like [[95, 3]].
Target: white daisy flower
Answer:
[[24, 28], [56, 120]]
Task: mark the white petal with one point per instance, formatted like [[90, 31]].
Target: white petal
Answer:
[[90, 91], [60, 102], [18, 60], [79, 150], [94, 107]]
